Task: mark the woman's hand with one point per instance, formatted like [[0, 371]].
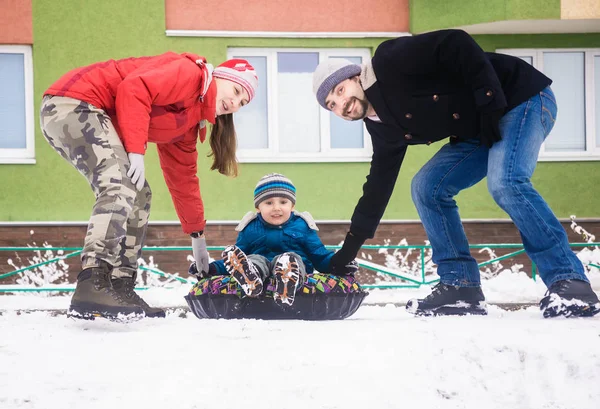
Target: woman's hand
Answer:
[[136, 170], [200, 254]]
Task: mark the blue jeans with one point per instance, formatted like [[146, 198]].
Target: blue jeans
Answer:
[[508, 165]]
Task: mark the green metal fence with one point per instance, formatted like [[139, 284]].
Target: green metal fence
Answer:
[[411, 280]]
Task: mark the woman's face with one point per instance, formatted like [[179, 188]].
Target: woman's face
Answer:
[[231, 96]]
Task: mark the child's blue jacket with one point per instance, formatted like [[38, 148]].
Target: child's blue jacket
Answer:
[[298, 235]]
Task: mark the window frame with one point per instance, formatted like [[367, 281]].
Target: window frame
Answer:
[[592, 151], [24, 155], [326, 153]]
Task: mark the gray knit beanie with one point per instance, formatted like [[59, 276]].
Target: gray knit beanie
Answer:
[[274, 185], [330, 73]]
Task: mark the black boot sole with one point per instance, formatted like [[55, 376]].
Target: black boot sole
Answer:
[[159, 314], [462, 308], [237, 265], [552, 308], [90, 313], [285, 287]]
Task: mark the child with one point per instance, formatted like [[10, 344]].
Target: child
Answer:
[[275, 241]]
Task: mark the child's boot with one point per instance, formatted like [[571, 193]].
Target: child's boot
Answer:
[[243, 271], [287, 279]]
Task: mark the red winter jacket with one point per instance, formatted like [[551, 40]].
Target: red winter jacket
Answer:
[[156, 99]]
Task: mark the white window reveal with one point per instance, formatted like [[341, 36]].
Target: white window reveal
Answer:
[[284, 122], [16, 105], [576, 84]]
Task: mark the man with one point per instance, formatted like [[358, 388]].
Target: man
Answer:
[[496, 110]]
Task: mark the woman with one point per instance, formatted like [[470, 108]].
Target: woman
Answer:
[[100, 119]]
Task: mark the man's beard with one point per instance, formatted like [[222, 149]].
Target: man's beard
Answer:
[[360, 109]]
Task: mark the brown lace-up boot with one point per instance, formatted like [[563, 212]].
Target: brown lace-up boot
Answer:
[[125, 286], [95, 297]]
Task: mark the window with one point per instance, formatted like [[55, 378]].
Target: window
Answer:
[[284, 122], [16, 105], [576, 84]]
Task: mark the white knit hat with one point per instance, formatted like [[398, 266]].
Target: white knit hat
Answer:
[[241, 72], [330, 73]]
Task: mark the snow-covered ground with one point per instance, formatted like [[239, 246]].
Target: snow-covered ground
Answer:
[[381, 357], [506, 287]]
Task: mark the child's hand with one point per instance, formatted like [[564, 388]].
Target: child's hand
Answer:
[[193, 270]]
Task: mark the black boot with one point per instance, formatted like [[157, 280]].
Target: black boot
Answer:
[[125, 287], [287, 279], [95, 297], [450, 300], [243, 271], [570, 298]]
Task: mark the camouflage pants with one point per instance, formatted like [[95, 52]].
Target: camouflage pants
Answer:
[[85, 136]]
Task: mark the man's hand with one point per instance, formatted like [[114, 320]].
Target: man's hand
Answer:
[[136, 170], [349, 269], [346, 254]]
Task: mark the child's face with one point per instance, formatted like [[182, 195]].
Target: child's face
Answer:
[[276, 210]]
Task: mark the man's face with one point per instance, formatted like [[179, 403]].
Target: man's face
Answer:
[[231, 96], [347, 100], [276, 210]]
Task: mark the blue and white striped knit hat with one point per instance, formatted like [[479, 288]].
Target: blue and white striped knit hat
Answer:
[[274, 185]]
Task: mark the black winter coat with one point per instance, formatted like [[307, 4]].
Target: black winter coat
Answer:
[[431, 87]]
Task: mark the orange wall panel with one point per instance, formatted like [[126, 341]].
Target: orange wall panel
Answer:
[[579, 9], [15, 22], [286, 15]]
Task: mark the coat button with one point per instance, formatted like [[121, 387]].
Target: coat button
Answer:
[[436, 98], [489, 93], [408, 136], [429, 142], [408, 115], [455, 115]]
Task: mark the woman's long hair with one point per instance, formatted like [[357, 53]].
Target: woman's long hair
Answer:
[[223, 142]]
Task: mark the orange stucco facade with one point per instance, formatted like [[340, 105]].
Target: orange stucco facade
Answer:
[[579, 9], [15, 22], [288, 16]]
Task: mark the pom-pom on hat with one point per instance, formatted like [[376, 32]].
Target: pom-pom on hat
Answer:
[[274, 185], [330, 73], [241, 72]]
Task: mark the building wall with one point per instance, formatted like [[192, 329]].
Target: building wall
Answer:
[[15, 20], [580, 9], [427, 15], [68, 35], [286, 16]]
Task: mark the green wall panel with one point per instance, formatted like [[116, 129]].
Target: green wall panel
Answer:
[[67, 35], [427, 15]]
